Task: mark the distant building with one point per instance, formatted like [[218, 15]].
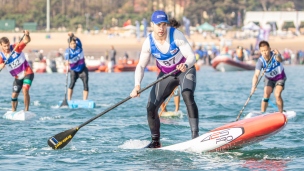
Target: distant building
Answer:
[[279, 17]]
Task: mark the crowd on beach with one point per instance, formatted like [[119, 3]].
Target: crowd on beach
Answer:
[[205, 53], [206, 50]]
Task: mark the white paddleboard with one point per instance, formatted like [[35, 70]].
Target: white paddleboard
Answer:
[[19, 115], [172, 114], [236, 134], [289, 114]]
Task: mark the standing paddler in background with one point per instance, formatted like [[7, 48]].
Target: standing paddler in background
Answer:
[[275, 76], [172, 51], [18, 67], [75, 59]]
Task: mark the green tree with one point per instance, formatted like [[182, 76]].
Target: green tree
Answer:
[[71, 13]]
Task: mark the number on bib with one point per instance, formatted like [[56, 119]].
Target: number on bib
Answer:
[[169, 62], [273, 73], [75, 59], [14, 64]]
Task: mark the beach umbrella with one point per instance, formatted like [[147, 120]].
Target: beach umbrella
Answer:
[[206, 27]]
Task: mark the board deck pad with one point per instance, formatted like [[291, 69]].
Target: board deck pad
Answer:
[[80, 104]]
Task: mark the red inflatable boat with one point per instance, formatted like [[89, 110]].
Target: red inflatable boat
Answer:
[[225, 63]]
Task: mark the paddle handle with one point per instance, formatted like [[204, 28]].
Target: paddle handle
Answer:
[[128, 98], [256, 84], [13, 51]]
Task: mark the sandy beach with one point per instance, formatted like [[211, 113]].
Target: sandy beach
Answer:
[[96, 45]]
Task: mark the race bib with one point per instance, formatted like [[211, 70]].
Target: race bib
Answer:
[[169, 62]]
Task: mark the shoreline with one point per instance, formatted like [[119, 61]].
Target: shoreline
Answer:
[[96, 45]]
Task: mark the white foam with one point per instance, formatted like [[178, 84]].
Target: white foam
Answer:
[[37, 103], [55, 107], [47, 148], [252, 114], [103, 105], [134, 144], [290, 114], [4, 108], [60, 107], [50, 118]]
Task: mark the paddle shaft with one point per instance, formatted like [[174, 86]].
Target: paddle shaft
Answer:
[[66, 82], [161, 112], [13, 51], [66, 79], [256, 84], [128, 98], [65, 102], [67, 75]]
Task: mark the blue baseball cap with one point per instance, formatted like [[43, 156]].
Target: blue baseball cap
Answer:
[[159, 17]]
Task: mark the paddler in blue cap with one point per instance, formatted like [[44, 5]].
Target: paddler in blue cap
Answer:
[[172, 51]]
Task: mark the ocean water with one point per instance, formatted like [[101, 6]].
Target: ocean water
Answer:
[[114, 141]]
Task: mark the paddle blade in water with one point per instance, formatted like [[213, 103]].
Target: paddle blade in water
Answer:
[[62, 139], [64, 103]]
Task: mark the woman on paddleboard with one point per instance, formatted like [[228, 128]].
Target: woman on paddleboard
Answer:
[[275, 76], [14, 59], [75, 59], [172, 51]]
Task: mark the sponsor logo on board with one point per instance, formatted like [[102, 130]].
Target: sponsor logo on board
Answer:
[[223, 136]]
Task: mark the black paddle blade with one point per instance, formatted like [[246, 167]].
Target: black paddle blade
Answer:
[[64, 103], [62, 139]]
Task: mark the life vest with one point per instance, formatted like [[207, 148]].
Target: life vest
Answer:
[[275, 70], [16, 64], [167, 62], [76, 57]]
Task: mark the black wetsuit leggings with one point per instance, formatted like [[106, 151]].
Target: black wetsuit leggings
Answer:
[[83, 75], [160, 91]]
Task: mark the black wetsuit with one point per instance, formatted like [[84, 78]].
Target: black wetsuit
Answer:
[[160, 91]]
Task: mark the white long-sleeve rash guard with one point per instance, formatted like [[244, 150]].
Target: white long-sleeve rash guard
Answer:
[[180, 41]]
